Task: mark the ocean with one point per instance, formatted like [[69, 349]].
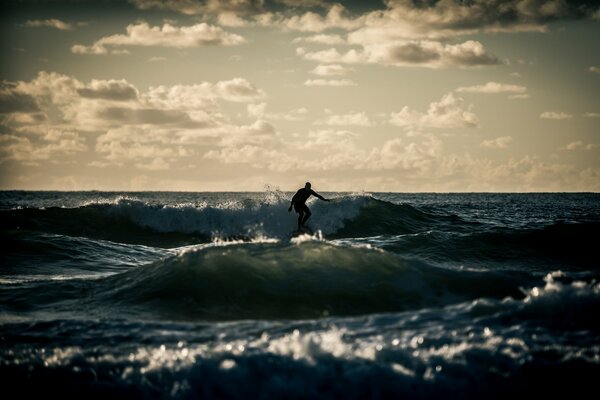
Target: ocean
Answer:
[[208, 295]]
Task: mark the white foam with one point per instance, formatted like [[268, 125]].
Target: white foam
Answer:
[[269, 218]]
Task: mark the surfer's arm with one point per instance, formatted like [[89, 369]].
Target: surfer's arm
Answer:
[[317, 195], [292, 202]]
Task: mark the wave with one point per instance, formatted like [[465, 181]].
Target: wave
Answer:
[[269, 280], [309, 280], [562, 244], [31, 255], [133, 221]]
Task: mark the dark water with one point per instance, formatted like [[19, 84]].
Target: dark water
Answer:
[[206, 295]]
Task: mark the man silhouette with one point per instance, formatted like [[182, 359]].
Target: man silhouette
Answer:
[[299, 203]]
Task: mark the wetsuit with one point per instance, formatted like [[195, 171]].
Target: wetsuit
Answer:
[[299, 202]]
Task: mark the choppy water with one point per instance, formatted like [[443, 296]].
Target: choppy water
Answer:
[[187, 295]]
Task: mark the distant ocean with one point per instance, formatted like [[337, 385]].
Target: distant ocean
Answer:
[[207, 295]]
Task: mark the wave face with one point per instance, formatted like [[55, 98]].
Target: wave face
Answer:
[[296, 281], [272, 280], [133, 221]]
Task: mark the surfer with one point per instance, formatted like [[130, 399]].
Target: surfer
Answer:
[[299, 203]]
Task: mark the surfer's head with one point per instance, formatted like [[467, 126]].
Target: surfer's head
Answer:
[[307, 186]]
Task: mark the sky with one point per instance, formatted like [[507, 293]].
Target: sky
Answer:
[[245, 95]]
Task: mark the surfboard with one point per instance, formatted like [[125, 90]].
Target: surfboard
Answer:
[[302, 231]]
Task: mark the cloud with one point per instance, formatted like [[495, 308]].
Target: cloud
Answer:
[[142, 34], [231, 19], [333, 56], [321, 39], [579, 145], [259, 127], [336, 17], [140, 145], [447, 113], [493, 87], [519, 96], [149, 116], [325, 138], [253, 155], [150, 130], [259, 111], [555, 115], [591, 115], [210, 7], [238, 90], [256, 110], [53, 145], [50, 23], [202, 95], [499, 143], [330, 70], [404, 19], [594, 69], [397, 20], [12, 100], [157, 59], [574, 145], [329, 82], [356, 119], [428, 54], [118, 90]]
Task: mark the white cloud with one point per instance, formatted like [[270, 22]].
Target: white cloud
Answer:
[[574, 145], [259, 111], [499, 143], [594, 69], [256, 156], [157, 164], [118, 90], [519, 96], [493, 87], [202, 95], [53, 145], [330, 70], [355, 119], [142, 34], [428, 54], [231, 19], [256, 110], [329, 82], [555, 115], [157, 59], [579, 145], [145, 147], [148, 130], [333, 56], [324, 138], [592, 115], [447, 113], [14, 100], [321, 39], [406, 20], [50, 23], [336, 17]]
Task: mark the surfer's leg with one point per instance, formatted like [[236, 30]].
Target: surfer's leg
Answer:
[[307, 215], [300, 217]]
